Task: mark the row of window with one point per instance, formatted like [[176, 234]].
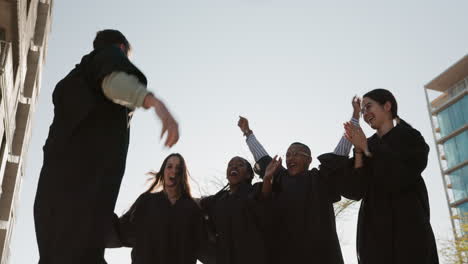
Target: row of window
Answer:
[[456, 149], [453, 117]]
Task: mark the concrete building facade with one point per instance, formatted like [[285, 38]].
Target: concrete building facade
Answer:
[[24, 28]]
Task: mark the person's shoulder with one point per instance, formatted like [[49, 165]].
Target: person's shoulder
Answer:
[[315, 174], [407, 132], [313, 171], [373, 138]]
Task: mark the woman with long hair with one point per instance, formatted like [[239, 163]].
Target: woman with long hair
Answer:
[[164, 225], [394, 221], [236, 217]]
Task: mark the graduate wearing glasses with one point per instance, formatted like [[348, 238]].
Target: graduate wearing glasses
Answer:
[[302, 226]]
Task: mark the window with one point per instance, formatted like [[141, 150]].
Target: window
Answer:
[[456, 150], [459, 181], [453, 117]]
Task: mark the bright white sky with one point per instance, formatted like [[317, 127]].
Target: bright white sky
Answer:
[[290, 66]]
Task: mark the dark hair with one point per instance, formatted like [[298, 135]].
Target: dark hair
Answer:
[[109, 37], [184, 186], [250, 171], [382, 96], [306, 148]]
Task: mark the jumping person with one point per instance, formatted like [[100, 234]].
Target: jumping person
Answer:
[[86, 149]]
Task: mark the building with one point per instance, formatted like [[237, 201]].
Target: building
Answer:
[[24, 28], [449, 117]]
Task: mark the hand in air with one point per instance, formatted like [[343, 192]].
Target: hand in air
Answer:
[[356, 136], [356, 103], [243, 124], [272, 168]]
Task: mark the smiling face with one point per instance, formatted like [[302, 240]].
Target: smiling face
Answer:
[[298, 159], [237, 171], [374, 113], [172, 172]]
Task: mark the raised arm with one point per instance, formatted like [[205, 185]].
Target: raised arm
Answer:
[[257, 150], [344, 146]]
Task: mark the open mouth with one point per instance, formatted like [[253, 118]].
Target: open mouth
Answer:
[[233, 173], [172, 179], [291, 165]]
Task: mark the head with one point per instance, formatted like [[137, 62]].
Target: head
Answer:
[[109, 37], [379, 106], [298, 158], [173, 174], [238, 171]]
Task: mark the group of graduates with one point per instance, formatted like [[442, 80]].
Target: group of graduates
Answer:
[[286, 217]]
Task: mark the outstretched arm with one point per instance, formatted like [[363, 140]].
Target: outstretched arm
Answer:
[[126, 89]]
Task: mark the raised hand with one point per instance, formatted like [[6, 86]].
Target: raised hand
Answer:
[[169, 124], [270, 171], [243, 124], [272, 168], [356, 103], [356, 136]]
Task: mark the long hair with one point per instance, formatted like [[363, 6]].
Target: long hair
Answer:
[[182, 175], [382, 96]]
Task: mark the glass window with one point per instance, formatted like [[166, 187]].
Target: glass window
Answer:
[[456, 149], [453, 117], [459, 181]]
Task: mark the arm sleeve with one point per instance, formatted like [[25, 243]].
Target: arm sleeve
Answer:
[[124, 89], [126, 223], [112, 59], [344, 146], [113, 237], [354, 183], [332, 170], [256, 148]]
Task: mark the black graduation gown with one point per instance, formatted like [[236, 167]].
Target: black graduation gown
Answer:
[[162, 233], [393, 224], [238, 221], [84, 161], [303, 222]]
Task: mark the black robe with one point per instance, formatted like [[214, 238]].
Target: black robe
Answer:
[[393, 224], [303, 222], [84, 162], [238, 221], [163, 233]]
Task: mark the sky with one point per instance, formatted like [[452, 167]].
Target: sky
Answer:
[[291, 67]]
